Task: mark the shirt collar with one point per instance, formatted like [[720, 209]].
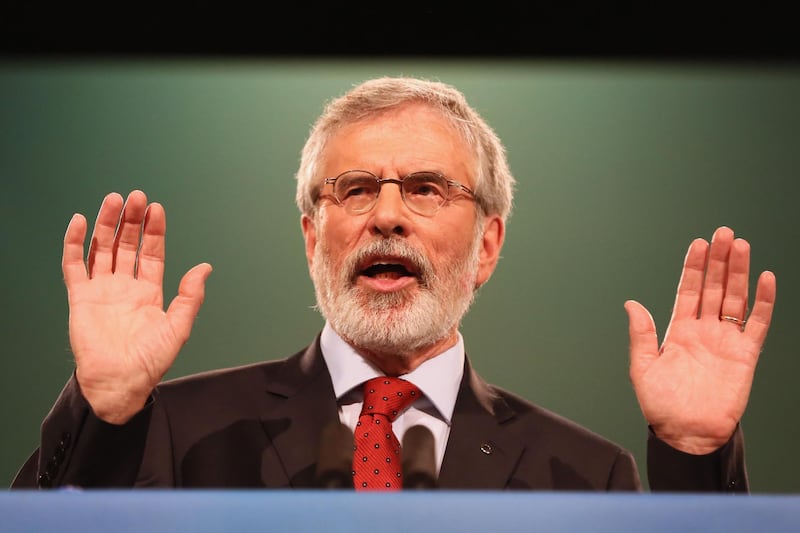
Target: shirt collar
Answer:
[[439, 378]]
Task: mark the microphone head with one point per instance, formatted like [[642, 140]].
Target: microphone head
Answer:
[[419, 458], [335, 457]]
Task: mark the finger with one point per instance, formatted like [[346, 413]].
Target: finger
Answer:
[[128, 234], [184, 307], [758, 322], [150, 265], [690, 286], [716, 273], [643, 338], [72, 265], [734, 304], [101, 248]]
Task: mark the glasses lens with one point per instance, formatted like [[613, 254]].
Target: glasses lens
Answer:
[[356, 191], [425, 192]]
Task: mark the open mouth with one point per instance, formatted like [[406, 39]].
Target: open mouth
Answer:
[[387, 268], [386, 271]]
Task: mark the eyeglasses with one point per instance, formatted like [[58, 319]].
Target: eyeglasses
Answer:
[[423, 192]]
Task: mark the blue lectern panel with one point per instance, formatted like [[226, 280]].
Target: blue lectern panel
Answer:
[[145, 511]]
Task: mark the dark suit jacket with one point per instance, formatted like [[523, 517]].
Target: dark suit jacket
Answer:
[[260, 426]]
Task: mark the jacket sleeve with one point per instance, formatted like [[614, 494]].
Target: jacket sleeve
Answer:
[[723, 470], [77, 449]]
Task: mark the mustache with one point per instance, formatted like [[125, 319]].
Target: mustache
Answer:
[[392, 247]]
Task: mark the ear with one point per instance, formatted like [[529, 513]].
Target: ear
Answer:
[[494, 232], [309, 228]]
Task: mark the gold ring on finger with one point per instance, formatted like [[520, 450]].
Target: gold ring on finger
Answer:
[[739, 322]]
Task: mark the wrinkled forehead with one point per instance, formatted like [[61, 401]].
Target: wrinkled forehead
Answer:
[[400, 140]]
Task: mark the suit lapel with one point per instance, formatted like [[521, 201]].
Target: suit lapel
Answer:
[[300, 403], [480, 452]]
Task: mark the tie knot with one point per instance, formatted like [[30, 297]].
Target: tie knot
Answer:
[[388, 396]]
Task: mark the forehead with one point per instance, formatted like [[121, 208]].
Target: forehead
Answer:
[[411, 138]]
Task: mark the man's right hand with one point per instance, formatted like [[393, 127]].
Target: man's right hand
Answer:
[[122, 339]]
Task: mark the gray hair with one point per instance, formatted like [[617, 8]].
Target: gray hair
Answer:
[[494, 183]]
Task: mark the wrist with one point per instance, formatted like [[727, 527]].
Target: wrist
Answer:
[[114, 405], [691, 444]]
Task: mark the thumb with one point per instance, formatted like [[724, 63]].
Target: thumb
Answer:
[[643, 338], [184, 307]]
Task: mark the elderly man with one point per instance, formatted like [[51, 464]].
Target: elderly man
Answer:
[[404, 192]]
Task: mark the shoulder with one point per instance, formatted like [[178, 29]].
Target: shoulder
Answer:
[[281, 377], [233, 387], [241, 382], [550, 429], [223, 376]]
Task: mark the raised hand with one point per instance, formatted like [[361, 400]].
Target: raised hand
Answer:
[[694, 388], [122, 339]]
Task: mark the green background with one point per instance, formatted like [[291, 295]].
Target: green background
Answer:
[[620, 165]]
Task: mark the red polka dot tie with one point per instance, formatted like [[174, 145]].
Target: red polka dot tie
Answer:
[[376, 461]]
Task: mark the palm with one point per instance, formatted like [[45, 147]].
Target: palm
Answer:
[[694, 388], [718, 371], [118, 325]]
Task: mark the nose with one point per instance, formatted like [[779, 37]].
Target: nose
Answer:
[[390, 214]]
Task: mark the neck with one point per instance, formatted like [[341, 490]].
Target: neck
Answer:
[[397, 363]]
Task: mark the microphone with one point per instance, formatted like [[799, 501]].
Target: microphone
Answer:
[[335, 457], [419, 459]]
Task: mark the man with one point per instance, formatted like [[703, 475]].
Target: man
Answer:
[[404, 192]]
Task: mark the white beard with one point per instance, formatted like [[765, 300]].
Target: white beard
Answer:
[[402, 322]]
